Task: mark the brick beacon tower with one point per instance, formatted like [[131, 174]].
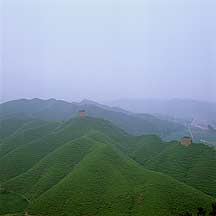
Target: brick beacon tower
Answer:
[[82, 113], [186, 141]]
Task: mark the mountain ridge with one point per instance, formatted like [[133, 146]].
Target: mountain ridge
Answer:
[[89, 166], [58, 110]]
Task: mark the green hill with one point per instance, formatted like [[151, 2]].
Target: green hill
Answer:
[[144, 148], [193, 165], [58, 110], [29, 131], [9, 126], [14, 163], [85, 166], [107, 183], [52, 168], [11, 203]]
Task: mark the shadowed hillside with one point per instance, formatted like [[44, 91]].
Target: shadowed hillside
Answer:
[[83, 167], [194, 165], [14, 162], [58, 110]]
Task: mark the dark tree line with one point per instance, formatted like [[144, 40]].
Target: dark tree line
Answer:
[[202, 212]]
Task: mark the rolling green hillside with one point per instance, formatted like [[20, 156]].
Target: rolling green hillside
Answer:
[[30, 131], [144, 148], [12, 203], [14, 163], [9, 126], [107, 183], [86, 166], [51, 169], [194, 165], [58, 110]]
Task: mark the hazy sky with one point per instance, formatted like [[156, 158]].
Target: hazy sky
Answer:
[[108, 49]]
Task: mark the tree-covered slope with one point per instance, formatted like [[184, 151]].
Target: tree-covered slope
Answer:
[[58, 110], [24, 156], [85, 166], [52, 168], [107, 183], [30, 131], [144, 148], [9, 126], [194, 165], [11, 203]]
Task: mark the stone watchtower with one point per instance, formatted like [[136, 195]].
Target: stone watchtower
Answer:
[[82, 113], [186, 141]]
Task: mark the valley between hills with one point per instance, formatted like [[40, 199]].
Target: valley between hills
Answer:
[[53, 162]]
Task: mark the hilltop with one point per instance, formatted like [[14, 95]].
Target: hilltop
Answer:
[[58, 110], [106, 183], [87, 166], [193, 165]]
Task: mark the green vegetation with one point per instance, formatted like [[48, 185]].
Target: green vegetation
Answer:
[[51, 169], [107, 183], [9, 126], [27, 133], [193, 165], [87, 166], [201, 211], [11, 203], [26, 151], [57, 110], [14, 163], [144, 148]]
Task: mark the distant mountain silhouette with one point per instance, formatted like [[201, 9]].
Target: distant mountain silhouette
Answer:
[[178, 108], [58, 110]]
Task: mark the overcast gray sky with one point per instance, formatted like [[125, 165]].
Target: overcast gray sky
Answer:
[[108, 49]]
